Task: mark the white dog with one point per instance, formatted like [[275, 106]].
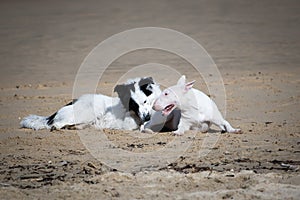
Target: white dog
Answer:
[[198, 111], [128, 111]]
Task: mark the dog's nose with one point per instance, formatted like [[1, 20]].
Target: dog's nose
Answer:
[[147, 117], [156, 107]]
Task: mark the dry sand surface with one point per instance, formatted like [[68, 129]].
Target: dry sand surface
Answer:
[[256, 47]]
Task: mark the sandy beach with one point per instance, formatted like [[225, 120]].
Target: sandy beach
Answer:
[[255, 46]]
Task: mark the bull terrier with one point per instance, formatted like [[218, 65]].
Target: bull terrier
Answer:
[[198, 111]]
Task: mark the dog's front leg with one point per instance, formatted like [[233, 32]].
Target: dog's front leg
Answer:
[[129, 123], [145, 129], [183, 126]]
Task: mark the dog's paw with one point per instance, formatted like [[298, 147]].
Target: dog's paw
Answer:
[[147, 130], [238, 131], [142, 128], [177, 132]]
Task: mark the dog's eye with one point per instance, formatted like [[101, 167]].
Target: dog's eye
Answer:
[[145, 101], [166, 93]]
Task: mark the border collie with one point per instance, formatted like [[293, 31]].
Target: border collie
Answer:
[[128, 111]]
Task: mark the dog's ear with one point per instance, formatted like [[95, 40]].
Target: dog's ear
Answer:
[[150, 79], [189, 85], [123, 92], [119, 89], [181, 81], [145, 85], [124, 89], [146, 81]]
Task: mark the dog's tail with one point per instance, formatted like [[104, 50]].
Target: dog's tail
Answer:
[[36, 122], [226, 127]]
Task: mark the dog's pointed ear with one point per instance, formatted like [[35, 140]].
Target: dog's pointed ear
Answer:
[[119, 89], [150, 79], [189, 85], [146, 81], [181, 81]]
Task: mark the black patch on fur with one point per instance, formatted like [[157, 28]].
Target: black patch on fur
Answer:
[[225, 129], [133, 106], [144, 85], [50, 119], [123, 92]]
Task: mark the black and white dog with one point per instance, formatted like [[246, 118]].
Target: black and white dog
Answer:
[[128, 111]]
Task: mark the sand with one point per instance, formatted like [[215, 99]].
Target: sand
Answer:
[[256, 47]]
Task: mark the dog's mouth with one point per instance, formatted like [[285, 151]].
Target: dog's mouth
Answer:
[[168, 109]]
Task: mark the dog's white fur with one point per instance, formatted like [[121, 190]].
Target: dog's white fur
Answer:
[[198, 111], [98, 110]]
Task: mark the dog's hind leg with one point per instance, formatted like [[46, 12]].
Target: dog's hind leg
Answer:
[[64, 117], [224, 125], [204, 127]]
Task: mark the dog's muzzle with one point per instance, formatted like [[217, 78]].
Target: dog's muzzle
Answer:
[[146, 117], [156, 106]]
